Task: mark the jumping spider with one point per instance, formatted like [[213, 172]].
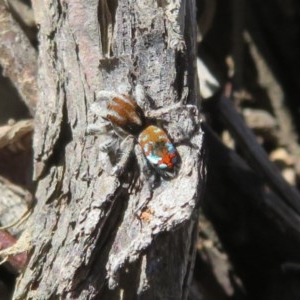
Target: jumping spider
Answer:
[[137, 132]]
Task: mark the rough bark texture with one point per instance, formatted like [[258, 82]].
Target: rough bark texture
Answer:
[[89, 239], [18, 58]]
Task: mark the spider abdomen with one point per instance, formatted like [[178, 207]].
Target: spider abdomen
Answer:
[[159, 150]]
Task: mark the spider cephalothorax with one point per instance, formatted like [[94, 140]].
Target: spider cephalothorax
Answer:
[[128, 120], [124, 114]]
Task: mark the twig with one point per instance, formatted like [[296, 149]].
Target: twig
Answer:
[[256, 154]]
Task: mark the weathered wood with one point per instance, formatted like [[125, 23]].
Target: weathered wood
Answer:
[[18, 58], [90, 240]]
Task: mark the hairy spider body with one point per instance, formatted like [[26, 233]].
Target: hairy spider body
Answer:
[[123, 112], [129, 122], [158, 148]]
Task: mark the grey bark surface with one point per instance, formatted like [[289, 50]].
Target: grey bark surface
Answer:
[[89, 240], [18, 58]]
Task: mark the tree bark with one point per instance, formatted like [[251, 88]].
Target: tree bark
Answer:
[[89, 240]]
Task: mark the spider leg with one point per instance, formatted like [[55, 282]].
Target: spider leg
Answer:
[[158, 113], [112, 146], [101, 126], [147, 178], [180, 105], [145, 171], [104, 94], [99, 108], [124, 88], [126, 148], [182, 120], [105, 163], [139, 94], [97, 129]]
